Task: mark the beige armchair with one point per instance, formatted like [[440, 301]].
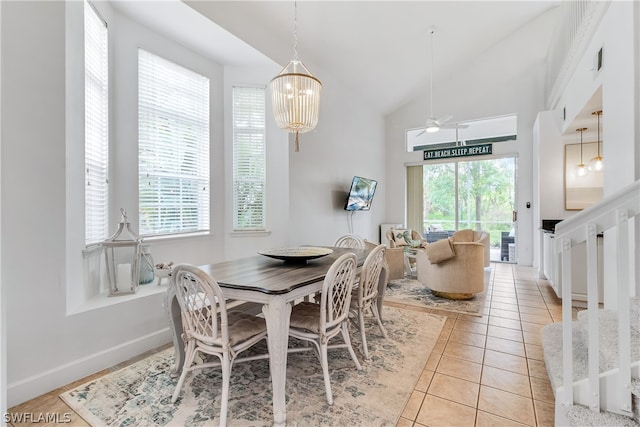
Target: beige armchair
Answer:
[[394, 255], [461, 275]]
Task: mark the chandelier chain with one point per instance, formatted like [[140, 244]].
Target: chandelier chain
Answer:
[[295, 93], [295, 31]]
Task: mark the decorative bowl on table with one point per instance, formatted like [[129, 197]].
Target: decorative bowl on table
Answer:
[[299, 254]]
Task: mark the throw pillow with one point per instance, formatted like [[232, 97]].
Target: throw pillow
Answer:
[[402, 237], [439, 251]]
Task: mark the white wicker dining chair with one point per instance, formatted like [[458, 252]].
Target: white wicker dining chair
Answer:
[[318, 323], [210, 330], [364, 298], [351, 241]]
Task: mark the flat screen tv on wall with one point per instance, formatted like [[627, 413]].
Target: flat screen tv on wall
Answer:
[[360, 194]]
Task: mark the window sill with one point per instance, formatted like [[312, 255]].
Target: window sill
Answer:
[[104, 300], [168, 237], [250, 233]]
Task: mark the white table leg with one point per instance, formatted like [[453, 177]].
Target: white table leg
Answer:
[[277, 314]]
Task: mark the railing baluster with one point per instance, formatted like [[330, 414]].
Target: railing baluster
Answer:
[[567, 338], [624, 316], [592, 312], [610, 392]]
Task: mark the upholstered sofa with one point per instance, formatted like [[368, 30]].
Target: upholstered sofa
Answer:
[[455, 267]]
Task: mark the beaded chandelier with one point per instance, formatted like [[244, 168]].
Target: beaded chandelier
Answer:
[[295, 94]]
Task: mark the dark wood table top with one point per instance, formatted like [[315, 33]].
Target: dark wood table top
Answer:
[[271, 276]]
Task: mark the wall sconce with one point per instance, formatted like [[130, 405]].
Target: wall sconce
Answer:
[[596, 164], [581, 169], [123, 257]]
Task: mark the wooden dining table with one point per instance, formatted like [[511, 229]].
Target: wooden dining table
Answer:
[[276, 285]]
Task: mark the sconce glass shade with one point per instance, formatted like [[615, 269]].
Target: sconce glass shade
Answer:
[[596, 164], [295, 96], [582, 170]]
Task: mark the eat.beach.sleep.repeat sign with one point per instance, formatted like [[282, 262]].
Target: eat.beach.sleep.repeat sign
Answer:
[[466, 151]]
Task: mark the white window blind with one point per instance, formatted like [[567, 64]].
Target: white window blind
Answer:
[[96, 126], [249, 160], [173, 147]]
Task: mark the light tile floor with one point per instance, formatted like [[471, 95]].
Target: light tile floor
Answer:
[[489, 370], [483, 371]]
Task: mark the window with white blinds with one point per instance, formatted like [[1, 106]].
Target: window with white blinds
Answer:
[[173, 147], [249, 160], [96, 127]]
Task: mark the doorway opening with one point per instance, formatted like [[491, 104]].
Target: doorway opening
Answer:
[[475, 194]]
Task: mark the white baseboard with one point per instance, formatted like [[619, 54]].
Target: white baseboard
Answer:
[[36, 385]]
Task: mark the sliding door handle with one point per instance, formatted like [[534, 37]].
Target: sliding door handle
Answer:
[[515, 216]]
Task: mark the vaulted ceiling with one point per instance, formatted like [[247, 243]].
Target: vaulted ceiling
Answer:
[[378, 48]]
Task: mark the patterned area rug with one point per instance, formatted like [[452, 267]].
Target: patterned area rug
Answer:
[[412, 292], [140, 395]]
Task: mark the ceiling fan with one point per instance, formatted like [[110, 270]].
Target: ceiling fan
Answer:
[[434, 124]]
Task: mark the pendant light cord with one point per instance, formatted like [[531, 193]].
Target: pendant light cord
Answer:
[[598, 114], [581, 162], [581, 130]]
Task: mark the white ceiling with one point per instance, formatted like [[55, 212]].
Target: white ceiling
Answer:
[[586, 119], [379, 48], [177, 21]]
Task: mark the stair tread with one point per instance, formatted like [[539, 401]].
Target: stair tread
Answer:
[[582, 416], [612, 315], [607, 320], [552, 351]]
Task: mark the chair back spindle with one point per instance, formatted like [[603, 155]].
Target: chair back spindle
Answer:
[[336, 291], [350, 241]]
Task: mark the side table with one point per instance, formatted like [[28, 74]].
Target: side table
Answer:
[[409, 260]]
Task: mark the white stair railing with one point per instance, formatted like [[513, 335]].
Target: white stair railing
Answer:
[[611, 216]]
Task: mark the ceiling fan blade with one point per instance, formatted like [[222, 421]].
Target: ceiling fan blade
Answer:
[[454, 126], [444, 119]]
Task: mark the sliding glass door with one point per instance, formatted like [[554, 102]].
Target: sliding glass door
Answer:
[[476, 194]]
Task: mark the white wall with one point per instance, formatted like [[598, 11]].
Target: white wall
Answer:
[[503, 80], [618, 98], [47, 347], [548, 195], [348, 141]]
